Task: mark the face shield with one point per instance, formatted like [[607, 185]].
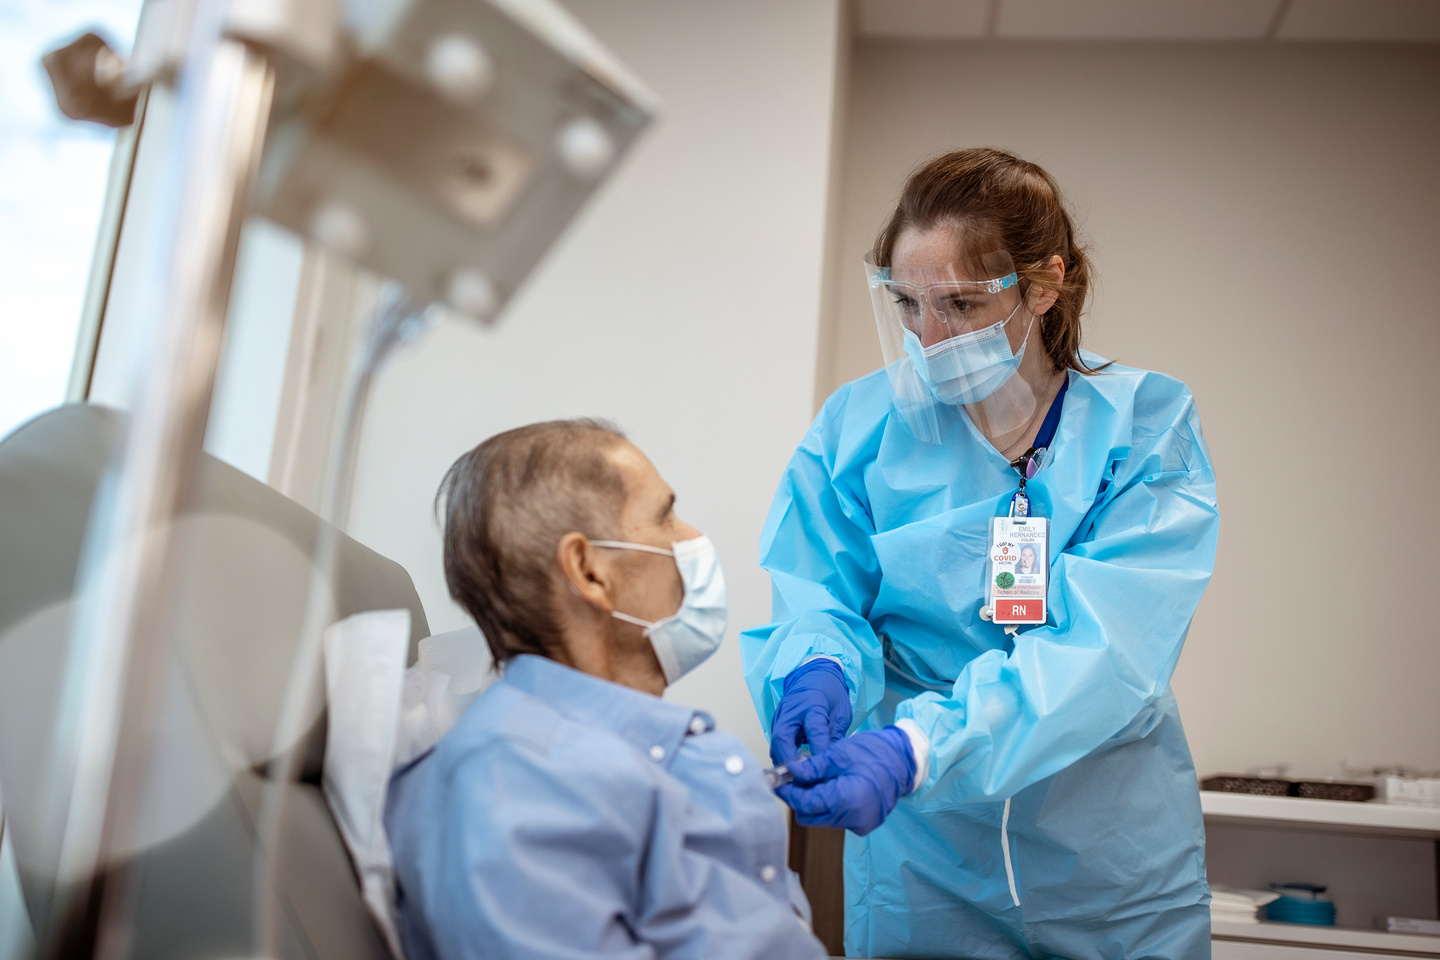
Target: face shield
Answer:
[[943, 334]]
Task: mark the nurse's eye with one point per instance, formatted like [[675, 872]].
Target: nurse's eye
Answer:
[[906, 305]]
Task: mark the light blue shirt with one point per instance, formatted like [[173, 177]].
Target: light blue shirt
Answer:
[[567, 816]]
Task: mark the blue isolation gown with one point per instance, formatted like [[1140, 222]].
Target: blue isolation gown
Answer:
[[877, 550]]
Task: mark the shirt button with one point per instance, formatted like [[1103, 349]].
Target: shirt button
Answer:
[[767, 873], [657, 753], [734, 765], [697, 725]]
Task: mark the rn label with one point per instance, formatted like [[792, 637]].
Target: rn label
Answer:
[[1019, 569]]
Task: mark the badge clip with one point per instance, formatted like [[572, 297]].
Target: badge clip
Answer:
[[1027, 465]]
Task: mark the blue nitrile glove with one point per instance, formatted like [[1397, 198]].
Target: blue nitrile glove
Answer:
[[814, 708], [854, 784]]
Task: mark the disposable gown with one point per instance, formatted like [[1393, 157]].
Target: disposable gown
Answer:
[[876, 546]]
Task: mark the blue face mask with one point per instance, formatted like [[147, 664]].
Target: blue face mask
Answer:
[[686, 638], [969, 367]]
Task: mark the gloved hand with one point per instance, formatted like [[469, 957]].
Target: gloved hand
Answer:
[[855, 783], [814, 708]]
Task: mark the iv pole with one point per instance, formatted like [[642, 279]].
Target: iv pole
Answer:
[[491, 174]]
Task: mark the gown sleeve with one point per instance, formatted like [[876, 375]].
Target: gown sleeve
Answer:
[[1122, 594], [824, 577]]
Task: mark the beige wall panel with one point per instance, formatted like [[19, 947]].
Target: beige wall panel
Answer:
[[1263, 218]]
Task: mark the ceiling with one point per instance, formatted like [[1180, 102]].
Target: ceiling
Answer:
[[1382, 20]]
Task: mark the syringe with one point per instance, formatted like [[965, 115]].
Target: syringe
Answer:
[[777, 776]]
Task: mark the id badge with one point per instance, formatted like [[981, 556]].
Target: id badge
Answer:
[[1019, 565]]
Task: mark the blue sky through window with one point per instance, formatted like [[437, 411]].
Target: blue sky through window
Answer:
[[52, 185]]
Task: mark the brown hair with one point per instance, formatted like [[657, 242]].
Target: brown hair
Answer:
[[507, 504], [1002, 202]]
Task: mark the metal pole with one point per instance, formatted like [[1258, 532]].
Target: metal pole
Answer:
[[119, 649], [394, 321]]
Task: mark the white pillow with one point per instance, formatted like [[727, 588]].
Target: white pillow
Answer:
[[381, 716], [451, 671]]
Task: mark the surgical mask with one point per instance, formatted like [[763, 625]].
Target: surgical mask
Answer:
[[969, 367], [686, 638]]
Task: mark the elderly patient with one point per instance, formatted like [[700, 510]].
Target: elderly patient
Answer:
[[572, 812]]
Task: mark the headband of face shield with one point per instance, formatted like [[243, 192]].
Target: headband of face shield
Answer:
[[943, 334]]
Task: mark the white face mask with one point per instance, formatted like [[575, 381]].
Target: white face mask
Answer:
[[686, 638]]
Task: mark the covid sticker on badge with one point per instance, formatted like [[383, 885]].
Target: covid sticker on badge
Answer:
[[1019, 563]]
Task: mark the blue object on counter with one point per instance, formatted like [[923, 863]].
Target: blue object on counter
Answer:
[[1300, 903]]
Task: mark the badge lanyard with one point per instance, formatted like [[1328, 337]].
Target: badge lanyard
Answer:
[[1019, 543]]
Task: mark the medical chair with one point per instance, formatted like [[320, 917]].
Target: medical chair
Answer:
[[247, 561]]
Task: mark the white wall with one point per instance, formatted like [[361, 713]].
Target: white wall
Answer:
[[683, 304], [246, 403], [1263, 218]]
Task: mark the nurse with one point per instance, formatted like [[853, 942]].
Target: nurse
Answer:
[[1016, 789]]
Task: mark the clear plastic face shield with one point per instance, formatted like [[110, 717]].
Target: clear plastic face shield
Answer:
[[944, 333]]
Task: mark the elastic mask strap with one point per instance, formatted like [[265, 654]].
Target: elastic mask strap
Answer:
[[627, 545], [647, 624], [1033, 318], [1015, 311]]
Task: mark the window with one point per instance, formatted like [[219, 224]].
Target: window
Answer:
[[53, 174]]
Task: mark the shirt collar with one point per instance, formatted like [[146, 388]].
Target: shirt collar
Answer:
[[653, 726]]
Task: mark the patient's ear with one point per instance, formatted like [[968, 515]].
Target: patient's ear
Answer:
[[586, 570]]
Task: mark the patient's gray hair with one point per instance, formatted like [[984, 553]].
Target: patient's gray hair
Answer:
[[507, 503]]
